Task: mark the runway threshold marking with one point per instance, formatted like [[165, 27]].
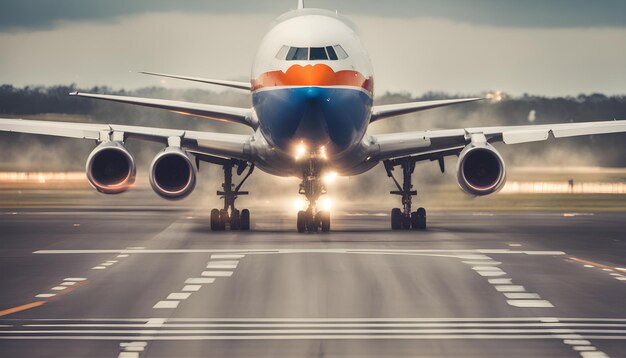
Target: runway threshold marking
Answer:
[[21, 308], [613, 271]]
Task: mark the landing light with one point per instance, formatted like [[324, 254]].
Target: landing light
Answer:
[[299, 204], [300, 150], [330, 177], [326, 204]]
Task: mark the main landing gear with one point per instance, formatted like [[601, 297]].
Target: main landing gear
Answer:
[[230, 216], [404, 219], [312, 187]]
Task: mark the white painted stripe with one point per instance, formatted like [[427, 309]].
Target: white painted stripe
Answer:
[[166, 304], [482, 262], [225, 262], [621, 278], [212, 265], [584, 348], [192, 288], [199, 280], [510, 288], [134, 349], [122, 256], [133, 344], [217, 273], [227, 256], [486, 268], [68, 283], [596, 354], [152, 322], [75, 279], [106, 264], [178, 296], [161, 323], [58, 288], [491, 273], [500, 281], [46, 295], [589, 266], [521, 295], [615, 274], [128, 355], [112, 261], [98, 268], [530, 303], [576, 342]]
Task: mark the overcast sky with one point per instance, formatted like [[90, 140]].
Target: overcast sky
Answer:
[[555, 47]]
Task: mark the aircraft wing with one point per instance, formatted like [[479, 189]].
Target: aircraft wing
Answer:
[[221, 113], [391, 110], [452, 141], [219, 144], [232, 84]]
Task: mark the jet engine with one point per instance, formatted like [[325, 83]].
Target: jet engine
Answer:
[[173, 174], [110, 168], [480, 169]]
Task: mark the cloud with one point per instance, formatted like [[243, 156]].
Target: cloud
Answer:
[[21, 15]]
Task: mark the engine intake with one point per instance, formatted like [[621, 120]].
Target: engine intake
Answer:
[[480, 169], [172, 174], [110, 168]]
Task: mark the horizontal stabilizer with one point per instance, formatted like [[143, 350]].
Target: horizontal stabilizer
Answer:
[[232, 84]]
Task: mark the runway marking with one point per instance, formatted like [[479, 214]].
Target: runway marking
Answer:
[[509, 288], [604, 268], [21, 308], [482, 262], [68, 283], [58, 288], [77, 279], [178, 295], [166, 304], [122, 256], [45, 295], [217, 273], [98, 268], [200, 280], [500, 281], [521, 295], [491, 273], [486, 268], [226, 256], [192, 288], [216, 265], [530, 303]]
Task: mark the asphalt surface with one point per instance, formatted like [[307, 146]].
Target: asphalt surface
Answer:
[[147, 282]]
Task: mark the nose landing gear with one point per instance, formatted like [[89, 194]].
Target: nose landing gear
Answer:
[[404, 219], [312, 187]]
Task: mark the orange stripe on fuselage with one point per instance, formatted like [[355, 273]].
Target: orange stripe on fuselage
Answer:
[[312, 75]]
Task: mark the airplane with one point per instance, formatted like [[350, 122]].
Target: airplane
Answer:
[[312, 88]]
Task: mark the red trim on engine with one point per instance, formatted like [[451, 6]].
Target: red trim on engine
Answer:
[[313, 75]]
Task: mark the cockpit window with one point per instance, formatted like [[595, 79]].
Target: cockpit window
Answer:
[[298, 54], [318, 53], [332, 53]]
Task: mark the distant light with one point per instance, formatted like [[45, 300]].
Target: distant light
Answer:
[[326, 204], [495, 96], [323, 152], [532, 116], [329, 177]]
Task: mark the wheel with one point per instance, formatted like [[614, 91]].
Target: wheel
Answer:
[[235, 220], [223, 219], [414, 220], [301, 221], [325, 220], [396, 219], [245, 219], [311, 222], [215, 220], [421, 218]]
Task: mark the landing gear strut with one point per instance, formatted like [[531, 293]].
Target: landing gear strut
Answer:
[[312, 188], [404, 219], [229, 216]]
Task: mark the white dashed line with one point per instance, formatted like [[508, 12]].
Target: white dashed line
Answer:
[[217, 273], [122, 255], [584, 348], [192, 288], [179, 296], [75, 279], [128, 355], [521, 295], [68, 283], [166, 304], [58, 288], [478, 263], [98, 268], [530, 303], [152, 322], [486, 268], [500, 281], [46, 295], [510, 288], [199, 280], [491, 273], [106, 264]]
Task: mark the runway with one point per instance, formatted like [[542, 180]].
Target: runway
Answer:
[[145, 282]]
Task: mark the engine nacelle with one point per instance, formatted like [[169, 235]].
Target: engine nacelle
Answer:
[[480, 169], [110, 168], [173, 174]]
